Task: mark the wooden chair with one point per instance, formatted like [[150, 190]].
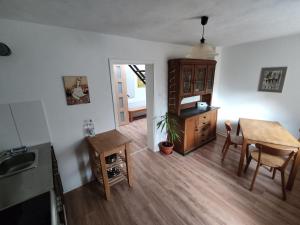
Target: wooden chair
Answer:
[[275, 158], [231, 139]]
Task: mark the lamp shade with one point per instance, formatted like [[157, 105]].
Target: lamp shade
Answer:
[[4, 50], [202, 51]]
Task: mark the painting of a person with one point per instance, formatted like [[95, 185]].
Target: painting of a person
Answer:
[[76, 88], [77, 91]]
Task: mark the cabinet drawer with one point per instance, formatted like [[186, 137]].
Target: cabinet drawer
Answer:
[[207, 133], [204, 119], [205, 136], [201, 138]]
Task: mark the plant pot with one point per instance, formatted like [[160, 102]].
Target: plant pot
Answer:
[[166, 147]]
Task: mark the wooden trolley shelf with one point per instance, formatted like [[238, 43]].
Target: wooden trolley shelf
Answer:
[[114, 180], [121, 164], [106, 144]]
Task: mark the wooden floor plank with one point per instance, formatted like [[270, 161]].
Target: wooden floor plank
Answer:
[[136, 130], [192, 189]]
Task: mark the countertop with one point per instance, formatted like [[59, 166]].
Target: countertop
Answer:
[[186, 113], [30, 183]]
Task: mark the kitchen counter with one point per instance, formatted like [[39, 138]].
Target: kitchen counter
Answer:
[[186, 113], [29, 183]]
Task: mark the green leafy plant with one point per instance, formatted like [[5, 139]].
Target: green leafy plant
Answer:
[[172, 127]]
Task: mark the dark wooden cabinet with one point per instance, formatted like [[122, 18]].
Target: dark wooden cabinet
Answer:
[[189, 77], [210, 78], [196, 131], [186, 78], [200, 79]]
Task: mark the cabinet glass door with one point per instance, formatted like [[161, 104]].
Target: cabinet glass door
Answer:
[[200, 76], [187, 80], [210, 78]]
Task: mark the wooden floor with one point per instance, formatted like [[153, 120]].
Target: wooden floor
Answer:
[[137, 131], [192, 189]]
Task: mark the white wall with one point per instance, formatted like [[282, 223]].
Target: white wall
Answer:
[[237, 77], [42, 54]]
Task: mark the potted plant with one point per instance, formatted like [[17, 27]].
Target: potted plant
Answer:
[[173, 133]]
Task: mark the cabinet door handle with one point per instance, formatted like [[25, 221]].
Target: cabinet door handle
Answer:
[[204, 117]]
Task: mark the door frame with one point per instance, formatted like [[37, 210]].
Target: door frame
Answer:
[[150, 100]]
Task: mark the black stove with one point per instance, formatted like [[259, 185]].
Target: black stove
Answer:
[[35, 211]]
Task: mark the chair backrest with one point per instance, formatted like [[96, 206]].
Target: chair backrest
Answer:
[[288, 154], [228, 127]]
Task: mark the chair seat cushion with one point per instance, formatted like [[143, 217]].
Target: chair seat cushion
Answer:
[[236, 139], [267, 159]]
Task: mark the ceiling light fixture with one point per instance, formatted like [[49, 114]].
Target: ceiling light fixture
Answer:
[[203, 50], [4, 50]]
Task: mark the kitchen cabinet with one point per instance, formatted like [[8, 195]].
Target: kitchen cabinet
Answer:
[[186, 80], [197, 130], [8, 132], [30, 122], [22, 123], [210, 78], [189, 77], [200, 79]]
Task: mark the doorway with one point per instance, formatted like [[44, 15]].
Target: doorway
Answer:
[[129, 89]]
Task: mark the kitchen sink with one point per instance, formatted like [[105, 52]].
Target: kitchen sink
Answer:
[[13, 163]]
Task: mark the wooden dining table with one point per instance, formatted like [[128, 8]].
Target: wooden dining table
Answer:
[[270, 133]]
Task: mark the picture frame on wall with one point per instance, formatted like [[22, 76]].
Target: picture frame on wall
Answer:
[[272, 79], [76, 89]]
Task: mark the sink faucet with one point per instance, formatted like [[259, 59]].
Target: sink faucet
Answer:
[[4, 153], [19, 150], [14, 151]]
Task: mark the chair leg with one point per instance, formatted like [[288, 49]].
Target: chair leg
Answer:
[[274, 173], [225, 151], [283, 185], [248, 163], [224, 145], [247, 152], [254, 177]]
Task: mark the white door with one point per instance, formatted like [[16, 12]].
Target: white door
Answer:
[[121, 94]]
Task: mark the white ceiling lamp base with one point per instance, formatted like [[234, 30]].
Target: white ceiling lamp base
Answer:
[[202, 50]]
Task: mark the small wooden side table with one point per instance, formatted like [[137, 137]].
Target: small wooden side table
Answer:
[[106, 144]]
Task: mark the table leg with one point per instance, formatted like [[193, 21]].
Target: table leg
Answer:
[[238, 129], [243, 153], [128, 164], [293, 172], [104, 177]]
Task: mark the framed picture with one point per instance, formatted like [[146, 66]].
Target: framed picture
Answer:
[[272, 79], [76, 89]]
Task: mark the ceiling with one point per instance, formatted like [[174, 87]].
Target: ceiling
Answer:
[[231, 22]]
